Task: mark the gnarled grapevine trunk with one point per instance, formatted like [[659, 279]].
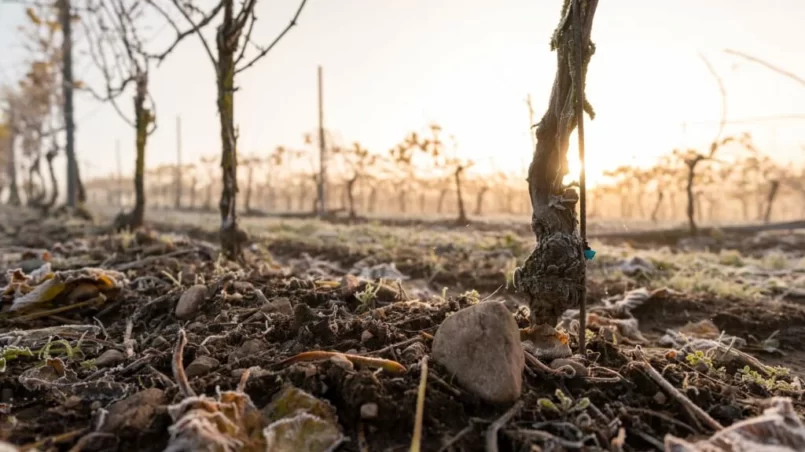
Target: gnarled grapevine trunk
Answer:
[[553, 276]]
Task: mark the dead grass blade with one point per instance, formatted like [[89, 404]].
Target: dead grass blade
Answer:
[[416, 441]]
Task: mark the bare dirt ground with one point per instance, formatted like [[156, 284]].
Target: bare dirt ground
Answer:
[[92, 321]]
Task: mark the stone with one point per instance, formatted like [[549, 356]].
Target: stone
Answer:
[[110, 358], [252, 347], [201, 366], [369, 411], [480, 345], [190, 302], [280, 305], [136, 412]]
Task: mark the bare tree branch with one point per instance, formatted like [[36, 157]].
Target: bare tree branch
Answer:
[[723, 92], [196, 28], [180, 35], [265, 51], [247, 38], [767, 65]]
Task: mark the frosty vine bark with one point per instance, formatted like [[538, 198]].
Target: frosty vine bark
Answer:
[[553, 276]]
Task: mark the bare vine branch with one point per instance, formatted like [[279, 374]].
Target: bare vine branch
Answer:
[[767, 65], [723, 91], [180, 35], [265, 51]]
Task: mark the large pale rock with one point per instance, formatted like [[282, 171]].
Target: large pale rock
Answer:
[[480, 345]]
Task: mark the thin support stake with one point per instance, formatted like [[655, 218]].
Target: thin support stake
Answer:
[[579, 88]]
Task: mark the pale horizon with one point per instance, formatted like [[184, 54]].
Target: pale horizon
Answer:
[[468, 66]]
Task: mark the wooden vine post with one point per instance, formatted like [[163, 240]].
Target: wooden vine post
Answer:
[[553, 276]]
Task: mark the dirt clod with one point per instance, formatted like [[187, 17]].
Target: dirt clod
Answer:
[[480, 344]]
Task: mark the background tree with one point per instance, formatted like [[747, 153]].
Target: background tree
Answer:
[[231, 46], [433, 147], [120, 54], [11, 107], [250, 162], [358, 161], [402, 157], [32, 108]]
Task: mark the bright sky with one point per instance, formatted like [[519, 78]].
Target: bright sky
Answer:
[[394, 66]]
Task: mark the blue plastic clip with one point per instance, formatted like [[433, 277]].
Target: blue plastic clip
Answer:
[[589, 254]]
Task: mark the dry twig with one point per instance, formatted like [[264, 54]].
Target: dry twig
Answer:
[[492, 431], [416, 441]]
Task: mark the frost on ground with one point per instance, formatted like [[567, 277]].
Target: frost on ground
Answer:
[[149, 339]]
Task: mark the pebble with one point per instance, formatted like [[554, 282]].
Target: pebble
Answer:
[[159, 341], [480, 345], [110, 358], [342, 362], [136, 412], [201, 366], [243, 286], [367, 336], [413, 353], [369, 411], [280, 305], [190, 302], [251, 347]]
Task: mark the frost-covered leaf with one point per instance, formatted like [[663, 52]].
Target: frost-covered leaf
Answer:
[[302, 432]]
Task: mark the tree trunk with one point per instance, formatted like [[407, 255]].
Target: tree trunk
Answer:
[[655, 211], [509, 201], [227, 39], [54, 194], [302, 197], [479, 200], [193, 185], [639, 201], [691, 210], [462, 214], [351, 196], [14, 191], [65, 20], [440, 201], [553, 276], [372, 203], [249, 179], [142, 119], [401, 199], [208, 198], [773, 189], [624, 205], [744, 208]]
